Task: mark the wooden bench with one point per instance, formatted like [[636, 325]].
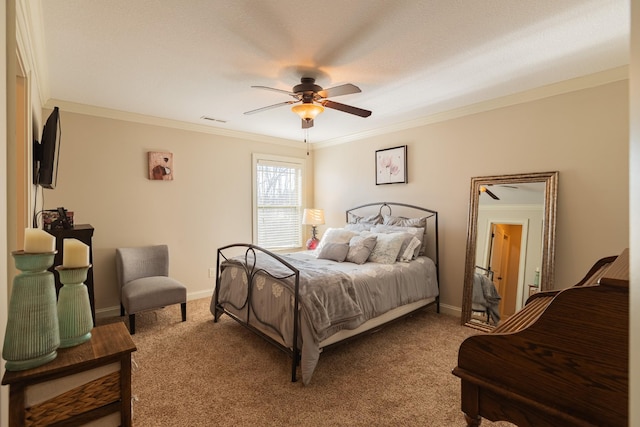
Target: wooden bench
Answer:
[[560, 361]]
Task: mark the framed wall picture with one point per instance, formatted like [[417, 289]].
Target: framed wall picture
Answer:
[[160, 166], [391, 165]]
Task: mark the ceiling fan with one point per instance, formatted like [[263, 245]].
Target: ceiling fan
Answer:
[[312, 100]]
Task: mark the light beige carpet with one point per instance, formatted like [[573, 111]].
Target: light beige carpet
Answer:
[[201, 373]]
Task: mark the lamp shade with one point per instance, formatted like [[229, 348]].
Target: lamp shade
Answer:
[[307, 111], [313, 217]]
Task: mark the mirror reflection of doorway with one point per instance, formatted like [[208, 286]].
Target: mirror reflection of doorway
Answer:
[[504, 260]]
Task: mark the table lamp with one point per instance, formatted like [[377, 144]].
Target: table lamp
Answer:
[[313, 217]]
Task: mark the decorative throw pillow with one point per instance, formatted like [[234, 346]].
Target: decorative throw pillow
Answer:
[[335, 235], [387, 247], [360, 248], [408, 250], [408, 222], [410, 231], [334, 251]]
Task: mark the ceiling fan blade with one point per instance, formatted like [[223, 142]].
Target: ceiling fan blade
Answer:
[[344, 89], [287, 92], [269, 107], [346, 108], [493, 196], [306, 124]]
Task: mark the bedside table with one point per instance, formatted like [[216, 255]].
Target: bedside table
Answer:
[[91, 381]]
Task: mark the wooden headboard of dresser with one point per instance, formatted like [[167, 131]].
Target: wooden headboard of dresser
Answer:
[[560, 361]]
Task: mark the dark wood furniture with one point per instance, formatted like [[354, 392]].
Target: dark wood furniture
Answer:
[[91, 381], [560, 361], [84, 233]]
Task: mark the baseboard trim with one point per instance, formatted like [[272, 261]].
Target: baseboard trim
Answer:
[[114, 311]]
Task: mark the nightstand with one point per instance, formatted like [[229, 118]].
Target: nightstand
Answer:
[[88, 382]]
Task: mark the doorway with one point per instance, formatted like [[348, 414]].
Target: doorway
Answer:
[[506, 258]]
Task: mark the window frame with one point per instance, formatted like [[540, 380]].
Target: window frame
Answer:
[[284, 161]]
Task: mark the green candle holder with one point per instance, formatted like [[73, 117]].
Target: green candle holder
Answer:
[[32, 335], [74, 308]]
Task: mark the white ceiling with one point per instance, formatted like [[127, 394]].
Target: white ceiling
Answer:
[[411, 59]]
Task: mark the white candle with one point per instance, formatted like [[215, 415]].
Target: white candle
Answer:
[[38, 241], [74, 253]]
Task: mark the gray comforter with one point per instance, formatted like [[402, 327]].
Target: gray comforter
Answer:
[[333, 296], [327, 294]]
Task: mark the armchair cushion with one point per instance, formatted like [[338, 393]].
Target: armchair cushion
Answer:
[[152, 292]]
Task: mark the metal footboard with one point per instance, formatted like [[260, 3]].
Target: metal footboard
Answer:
[[251, 270]]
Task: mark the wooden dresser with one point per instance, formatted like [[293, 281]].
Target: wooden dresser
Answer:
[[88, 382], [560, 361]]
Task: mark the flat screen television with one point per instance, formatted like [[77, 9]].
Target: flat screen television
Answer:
[[47, 152]]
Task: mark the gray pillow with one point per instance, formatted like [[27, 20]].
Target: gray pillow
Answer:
[[405, 222], [357, 219], [360, 248], [334, 251]]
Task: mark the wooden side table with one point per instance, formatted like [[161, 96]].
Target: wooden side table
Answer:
[[91, 381]]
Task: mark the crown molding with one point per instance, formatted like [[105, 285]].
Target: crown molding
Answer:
[[30, 40], [108, 113]]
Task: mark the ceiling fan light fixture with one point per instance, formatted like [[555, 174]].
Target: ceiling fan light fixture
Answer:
[[307, 111]]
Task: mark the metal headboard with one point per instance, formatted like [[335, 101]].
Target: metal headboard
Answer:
[[432, 226]]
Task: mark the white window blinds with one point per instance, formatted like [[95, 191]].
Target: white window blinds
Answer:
[[278, 203]]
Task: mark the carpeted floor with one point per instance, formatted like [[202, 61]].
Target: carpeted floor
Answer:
[[201, 373]]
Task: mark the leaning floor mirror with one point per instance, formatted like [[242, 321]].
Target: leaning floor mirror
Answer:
[[510, 245]]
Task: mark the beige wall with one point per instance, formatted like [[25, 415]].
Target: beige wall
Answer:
[[103, 179], [583, 135]]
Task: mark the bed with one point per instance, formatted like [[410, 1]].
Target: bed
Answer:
[[359, 278]]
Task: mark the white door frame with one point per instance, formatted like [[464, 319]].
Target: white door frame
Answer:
[[523, 252]]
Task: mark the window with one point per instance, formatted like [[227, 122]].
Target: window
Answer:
[[277, 201]]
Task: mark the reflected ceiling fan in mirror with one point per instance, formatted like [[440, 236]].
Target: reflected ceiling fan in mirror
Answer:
[[311, 100], [484, 189]]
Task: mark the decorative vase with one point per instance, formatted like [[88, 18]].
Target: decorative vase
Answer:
[[32, 335], [74, 308]]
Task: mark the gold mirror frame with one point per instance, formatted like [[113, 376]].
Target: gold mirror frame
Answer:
[[548, 233]]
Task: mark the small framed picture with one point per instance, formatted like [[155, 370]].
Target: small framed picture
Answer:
[[160, 166], [391, 165]]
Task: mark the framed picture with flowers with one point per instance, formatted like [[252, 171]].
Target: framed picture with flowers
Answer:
[[391, 165]]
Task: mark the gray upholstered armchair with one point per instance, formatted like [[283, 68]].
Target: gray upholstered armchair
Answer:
[[143, 276]]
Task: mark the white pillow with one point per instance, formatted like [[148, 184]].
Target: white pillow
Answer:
[[335, 235], [387, 247], [409, 222], [411, 231]]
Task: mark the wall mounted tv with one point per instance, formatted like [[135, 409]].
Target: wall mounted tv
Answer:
[[47, 152]]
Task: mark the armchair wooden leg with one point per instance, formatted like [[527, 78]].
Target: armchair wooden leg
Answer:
[[132, 324], [183, 308], [472, 422]]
